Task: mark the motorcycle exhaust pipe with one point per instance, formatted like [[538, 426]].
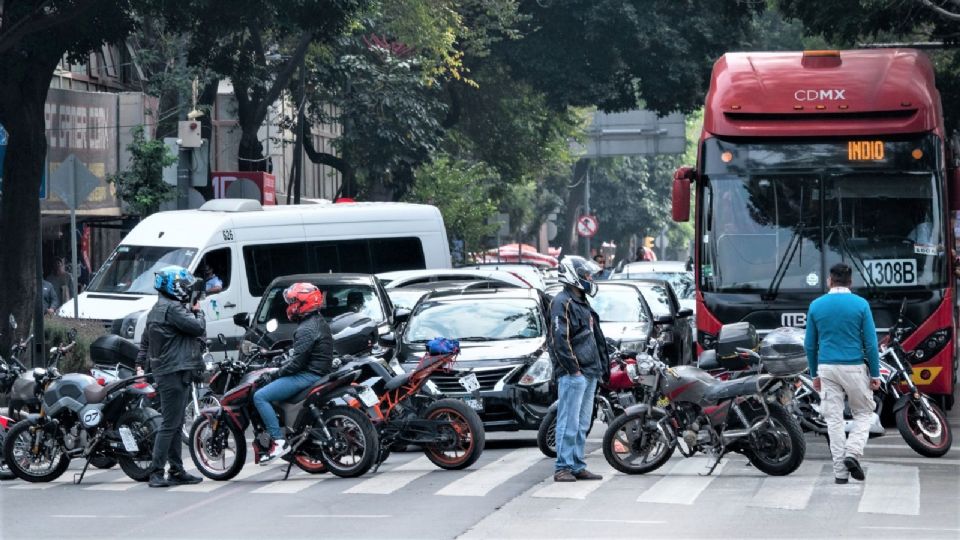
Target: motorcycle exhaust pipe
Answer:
[[730, 435]]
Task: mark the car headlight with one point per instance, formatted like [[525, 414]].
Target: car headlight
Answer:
[[539, 372], [128, 325]]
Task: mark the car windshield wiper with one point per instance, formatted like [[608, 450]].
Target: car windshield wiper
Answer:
[[476, 338], [792, 247]]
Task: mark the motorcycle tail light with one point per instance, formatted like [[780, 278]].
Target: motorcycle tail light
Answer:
[[140, 385], [101, 381]]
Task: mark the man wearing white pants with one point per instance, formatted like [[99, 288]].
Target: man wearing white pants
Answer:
[[840, 335]]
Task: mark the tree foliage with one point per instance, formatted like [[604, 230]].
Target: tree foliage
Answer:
[[141, 185]]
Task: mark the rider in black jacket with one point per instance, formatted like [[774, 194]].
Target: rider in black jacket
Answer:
[[170, 347], [310, 358]]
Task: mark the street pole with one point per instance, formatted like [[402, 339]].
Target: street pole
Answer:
[[183, 156], [38, 360], [586, 206], [301, 120], [73, 238]]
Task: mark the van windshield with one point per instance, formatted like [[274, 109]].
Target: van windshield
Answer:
[[130, 269]]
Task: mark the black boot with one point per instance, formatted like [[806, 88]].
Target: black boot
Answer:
[[158, 481], [179, 478]]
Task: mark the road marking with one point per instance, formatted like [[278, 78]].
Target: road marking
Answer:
[[249, 469], [341, 516], [891, 489], [91, 516], [294, 484], [576, 490], [791, 492], [909, 528], [65, 478], [482, 481], [124, 482], [683, 483], [386, 482], [911, 460], [630, 521]]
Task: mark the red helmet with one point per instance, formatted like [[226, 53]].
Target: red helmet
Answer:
[[302, 299]]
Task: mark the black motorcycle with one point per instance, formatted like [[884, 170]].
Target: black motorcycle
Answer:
[[79, 418]]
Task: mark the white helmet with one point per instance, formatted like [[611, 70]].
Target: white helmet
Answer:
[[578, 272]]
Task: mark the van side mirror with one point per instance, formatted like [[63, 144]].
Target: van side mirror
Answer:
[[401, 315], [663, 319], [242, 320], [682, 179]]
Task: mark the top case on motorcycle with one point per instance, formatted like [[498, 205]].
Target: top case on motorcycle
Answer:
[[728, 389]]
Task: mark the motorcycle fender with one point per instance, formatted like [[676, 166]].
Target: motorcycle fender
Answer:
[[901, 402], [643, 408], [553, 407]]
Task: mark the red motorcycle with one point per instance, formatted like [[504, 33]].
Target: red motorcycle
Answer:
[[610, 401], [5, 472], [324, 435]]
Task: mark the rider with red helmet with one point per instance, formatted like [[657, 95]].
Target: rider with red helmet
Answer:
[[310, 358]]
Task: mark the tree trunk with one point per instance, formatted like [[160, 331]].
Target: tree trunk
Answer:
[[23, 92]]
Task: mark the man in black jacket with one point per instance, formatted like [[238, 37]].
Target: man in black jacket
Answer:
[[310, 358], [580, 358], [170, 348]]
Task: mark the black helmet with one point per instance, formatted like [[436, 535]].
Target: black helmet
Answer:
[[578, 272]]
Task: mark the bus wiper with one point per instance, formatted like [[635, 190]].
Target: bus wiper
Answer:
[[795, 241], [857, 259]]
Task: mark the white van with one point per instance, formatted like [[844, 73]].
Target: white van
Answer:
[[247, 245]]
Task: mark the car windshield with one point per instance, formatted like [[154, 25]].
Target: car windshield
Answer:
[[130, 269], [406, 298], [337, 300], [682, 282], [619, 304], [474, 319]]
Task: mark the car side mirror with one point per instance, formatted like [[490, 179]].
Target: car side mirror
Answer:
[[388, 340], [401, 315], [663, 319], [685, 312], [242, 320]]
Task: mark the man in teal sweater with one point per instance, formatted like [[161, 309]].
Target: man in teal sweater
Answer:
[[840, 335]]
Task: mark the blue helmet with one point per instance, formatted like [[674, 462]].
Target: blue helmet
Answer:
[[175, 282]]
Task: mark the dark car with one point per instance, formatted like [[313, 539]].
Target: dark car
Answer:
[[343, 295], [503, 340], [665, 306]]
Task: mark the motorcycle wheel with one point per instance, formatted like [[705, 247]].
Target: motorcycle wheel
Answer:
[[464, 435], [190, 415], [355, 444], [103, 462], [218, 454], [930, 439], [635, 436], [18, 456], [5, 472], [310, 465], [547, 434], [778, 447], [144, 424]]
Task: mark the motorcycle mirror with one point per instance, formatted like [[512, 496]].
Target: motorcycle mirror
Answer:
[[13, 322], [272, 325], [222, 339], [72, 334]]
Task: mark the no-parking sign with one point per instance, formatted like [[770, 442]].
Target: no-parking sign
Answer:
[[587, 226]]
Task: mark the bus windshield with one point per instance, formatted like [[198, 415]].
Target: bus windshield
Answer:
[[130, 269], [768, 232]]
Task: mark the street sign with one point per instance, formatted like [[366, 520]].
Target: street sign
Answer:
[[73, 175], [587, 226]]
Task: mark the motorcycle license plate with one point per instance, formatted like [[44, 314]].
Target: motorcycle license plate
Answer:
[[475, 404], [470, 382], [368, 397], [129, 442]]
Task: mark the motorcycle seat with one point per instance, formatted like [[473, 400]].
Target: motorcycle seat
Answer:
[[728, 389], [398, 381], [95, 393]]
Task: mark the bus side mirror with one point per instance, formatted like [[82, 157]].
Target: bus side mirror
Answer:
[[953, 178], [682, 179]]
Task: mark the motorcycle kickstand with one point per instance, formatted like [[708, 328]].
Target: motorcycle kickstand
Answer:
[[289, 466], [380, 459], [78, 477], [716, 463]]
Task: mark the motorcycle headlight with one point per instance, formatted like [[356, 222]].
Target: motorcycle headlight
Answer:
[[633, 345], [539, 372], [632, 372]]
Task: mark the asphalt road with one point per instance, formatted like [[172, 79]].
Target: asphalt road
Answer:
[[509, 493]]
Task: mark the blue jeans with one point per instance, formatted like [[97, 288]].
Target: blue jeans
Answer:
[[574, 414], [279, 390]]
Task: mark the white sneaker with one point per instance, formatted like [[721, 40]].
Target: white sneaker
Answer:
[[278, 450]]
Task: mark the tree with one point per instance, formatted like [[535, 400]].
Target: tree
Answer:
[[34, 37], [141, 186]]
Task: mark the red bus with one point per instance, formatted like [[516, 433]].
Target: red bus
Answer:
[[813, 158]]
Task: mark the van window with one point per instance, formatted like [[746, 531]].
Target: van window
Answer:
[[369, 256], [219, 263], [131, 269]]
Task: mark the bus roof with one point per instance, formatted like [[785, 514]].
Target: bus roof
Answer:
[[822, 93], [196, 228]]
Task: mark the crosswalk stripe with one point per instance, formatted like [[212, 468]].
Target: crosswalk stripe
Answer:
[[683, 483], [891, 489], [485, 479], [577, 490], [295, 484], [65, 478], [249, 470], [125, 483], [791, 492], [386, 482]]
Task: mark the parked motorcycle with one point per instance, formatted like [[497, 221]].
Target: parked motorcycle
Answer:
[[610, 400], [688, 410], [22, 399], [450, 432], [318, 428], [5, 424], [79, 418]]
